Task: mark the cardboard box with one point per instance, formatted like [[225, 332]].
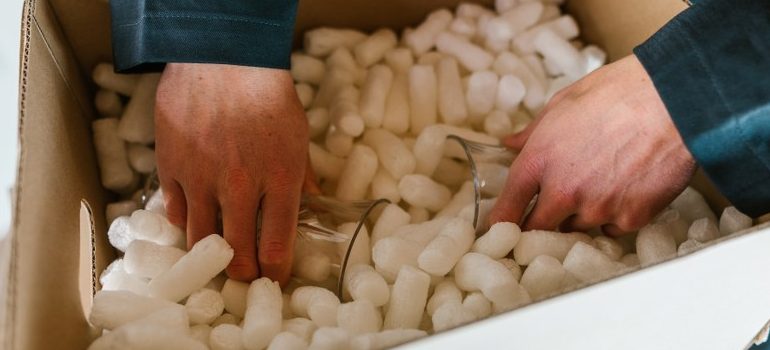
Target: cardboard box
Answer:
[[59, 244]]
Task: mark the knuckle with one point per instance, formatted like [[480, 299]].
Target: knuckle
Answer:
[[242, 268], [274, 252], [630, 222]]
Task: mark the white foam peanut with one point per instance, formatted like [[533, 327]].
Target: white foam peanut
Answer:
[[468, 54], [325, 164], [677, 226], [692, 206], [156, 203], [594, 58], [428, 148], [471, 10], [478, 272], [482, 93], [115, 277], [344, 112], [408, 299], [399, 59], [450, 315], [630, 260], [234, 295], [392, 217], [359, 170], [116, 174], [444, 292], [561, 53], [154, 227], [522, 16], [318, 304], [323, 41], [498, 241], [385, 186], [201, 332], [510, 93], [498, 124], [564, 26], [538, 242], [654, 244], [363, 283], [148, 260], [463, 197], [313, 266], [391, 151], [107, 103], [372, 49], [111, 309], [226, 318], [360, 252], [104, 75], [287, 341], [478, 304], [226, 337], [508, 63], [207, 258], [390, 253], [397, 107], [374, 94], [423, 97], [318, 121], [589, 264], [732, 220], [141, 158], [137, 124], [703, 230], [512, 266], [204, 306], [118, 209], [307, 69], [301, 327], [359, 317], [463, 27], [147, 334], [543, 276], [443, 252], [451, 98], [386, 339], [305, 93], [263, 314], [334, 80], [330, 338], [609, 246], [420, 190], [424, 37]]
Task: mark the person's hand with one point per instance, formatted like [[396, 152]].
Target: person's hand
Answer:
[[603, 153], [234, 140]]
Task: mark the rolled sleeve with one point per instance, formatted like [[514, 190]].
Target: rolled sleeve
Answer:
[[711, 67], [149, 33]]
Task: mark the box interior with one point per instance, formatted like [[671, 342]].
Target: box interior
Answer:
[[53, 267]]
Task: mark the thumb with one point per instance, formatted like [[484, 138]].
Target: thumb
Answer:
[[518, 140]]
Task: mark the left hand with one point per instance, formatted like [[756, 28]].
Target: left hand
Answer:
[[603, 153]]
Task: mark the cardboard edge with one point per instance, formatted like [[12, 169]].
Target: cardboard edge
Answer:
[[8, 331], [87, 256]]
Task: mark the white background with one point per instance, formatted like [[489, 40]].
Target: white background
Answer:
[[10, 22]]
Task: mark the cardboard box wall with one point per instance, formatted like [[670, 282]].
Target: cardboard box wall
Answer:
[[58, 242]]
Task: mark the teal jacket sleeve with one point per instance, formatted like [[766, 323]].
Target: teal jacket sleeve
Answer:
[[711, 67], [146, 34]]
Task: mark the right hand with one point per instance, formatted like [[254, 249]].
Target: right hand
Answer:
[[234, 140]]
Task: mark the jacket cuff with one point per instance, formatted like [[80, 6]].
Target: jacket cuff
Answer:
[[710, 66], [147, 34]]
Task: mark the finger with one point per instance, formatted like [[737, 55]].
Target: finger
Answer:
[[551, 208], [239, 220], [310, 186], [276, 241], [520, 188], [201, 218], [518, 140], [613, 230], [579, 223], [174, 201]]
